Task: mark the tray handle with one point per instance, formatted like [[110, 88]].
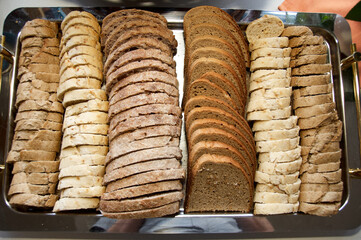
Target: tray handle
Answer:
[[346, 63]]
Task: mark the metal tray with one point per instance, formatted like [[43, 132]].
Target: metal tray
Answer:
[[336, 33]]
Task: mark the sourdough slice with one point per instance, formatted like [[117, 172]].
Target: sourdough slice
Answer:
[[52, 146], [321, 148], [100, 129], [311, 69], [309, 59], [209, 196], [281, 188], [269, 42], [141, 190], [270, 63], [269, 125], [169, 109], [305, 40], [81, 71], [312, 111], [280, 157], [280, 168], [320, 209], [266, 26], [161, 211], [80, 182], [30, 155], [27, 188], [94, 117], [33, 200], [39, 42], [80, 22], [276, 134], [140, 203], [332, 157], [141, 167], [140, 88], [84, 139], [88, 106], [42, 23], [297, 31], [270, 114], [275, 208], [164, 152], [277, 145], [313, 90], [85, 159], [67, 204], [80, 60], [38, 85], [46, 77], [147, 177], [34, 178], [327, 177], [261, 177], [333, 130], [271, 52], [310, 80], [35, 166], [38, 31], [87, 192], [84, 150], [82, 170], [271, 198], [144, 144]]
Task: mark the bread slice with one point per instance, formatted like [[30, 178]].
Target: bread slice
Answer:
[[275, 208], [84, 150], [318, 121], [85, 159], [292, 188], [333, 130], [305, 40], [277, 145], [146, 189], [87, 192], [39, 115], [84, 139], [161, 211], [310, 80], [269, 84], [77, 14], [263, 27], [268, 125], [270, 114], [100, 129], [271, 93], [311, 69], [280, 157], [38, 58], [67, 204], [307, 101], [52, 146], [270, 52], [260, 104], [310, 187], [79, 61], [309, 59], [210, 195], [270, 63], [308, 50], [41, 105], [34, 94], [94, 117], [45, 135], [87, 40], [82, 170], [82, 22], [30, 155], [35, 166], [46, 77], [276, 134], [320, 168], [261, 177], [271, 197], [312, 111], [80, 182], [88, 106], [269, 42], [147, 177], [42, 23], [38, 85], [39, 42], [280, 168], [34, 178], [296, 31], [79, 30], [35, 124], [81, 50], [327, 177], [81, 71], [324, 158], [269, 74], [320, 209], [323, 147], [27, 188], [38, 31], [33, 200]]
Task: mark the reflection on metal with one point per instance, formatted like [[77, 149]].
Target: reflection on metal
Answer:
[[5, 53], [353, 59]]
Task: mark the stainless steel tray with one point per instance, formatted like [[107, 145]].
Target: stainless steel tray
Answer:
[[15, 222]]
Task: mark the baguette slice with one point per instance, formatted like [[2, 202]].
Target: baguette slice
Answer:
[[275, 208], [266, 26], [67, 204]]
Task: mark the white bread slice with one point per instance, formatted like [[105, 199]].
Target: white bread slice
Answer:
[[86, 118], [320, 209], [271, 197], [270, 83], [101, 129], [328, 177], [280, 168], [320, 196], [87, 192], [88, 106], [84, 139], [261, 177], [84, 150], [264, 74], [80, 182], [320, 168], [259, 104], [269, 125], [271, 93], [81, 71], [291, 188], [270, 63], [266, 26], [83, 95], [269, 114], [67, 204], [82, 170], [310, 187], [77, 83], [271, 52], [277, 145], [79, 60], [86, 159], [269, 42], [276, 134], [275, 208], [280, 157]]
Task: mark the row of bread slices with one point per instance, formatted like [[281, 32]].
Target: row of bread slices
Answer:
[[321, 129], [275, 128], [85, 126], [221, 149], [143, 175], [38, 122]]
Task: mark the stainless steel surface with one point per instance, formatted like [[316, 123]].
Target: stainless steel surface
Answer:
[[79, 224]]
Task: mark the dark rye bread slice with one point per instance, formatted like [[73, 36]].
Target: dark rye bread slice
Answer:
[[141, 54], [162, 35], [129, 26], [219, 135], [147, 177], [216, 53], [201, 10], [140, 167], [134, 67], [41, 105], [203, 87], [148, 109], [222, 149], [165, 127], [145, 143], [110, 21], [141, 190], [230, 189], [141, 88], [141, 100], [141, 77], [141, 203], [165, 210]]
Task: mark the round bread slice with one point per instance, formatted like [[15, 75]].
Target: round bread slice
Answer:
[[269, 42], [51, 146], [38, 85], [334, 129], [86, 118], [305, 40], [42, 23], [81, 21], [147, 177], [87, 192], [206, 194], [142, 190], [269, 125], [275, 208], [68, 204], [77, 30], [297, 31], [83, 150], [320, 209], [82, 170], [34, 94], [259, 104], [33, 200], [84, 139], [318, 121], [37, 155], [161, 211], [87, 40], [312, 90], [39, 42], [78, 61], [38, 58], [280, 157], [164, 152], [46, 77], [271, 93], [263, 27], [82, 95], [336, 187], [37, 31], [141, 167], [270, 63], [88, 106], [331, 157], [312, 111], [73, 47], [320, 197], [80, 182], [77, 83], [85, 159]]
